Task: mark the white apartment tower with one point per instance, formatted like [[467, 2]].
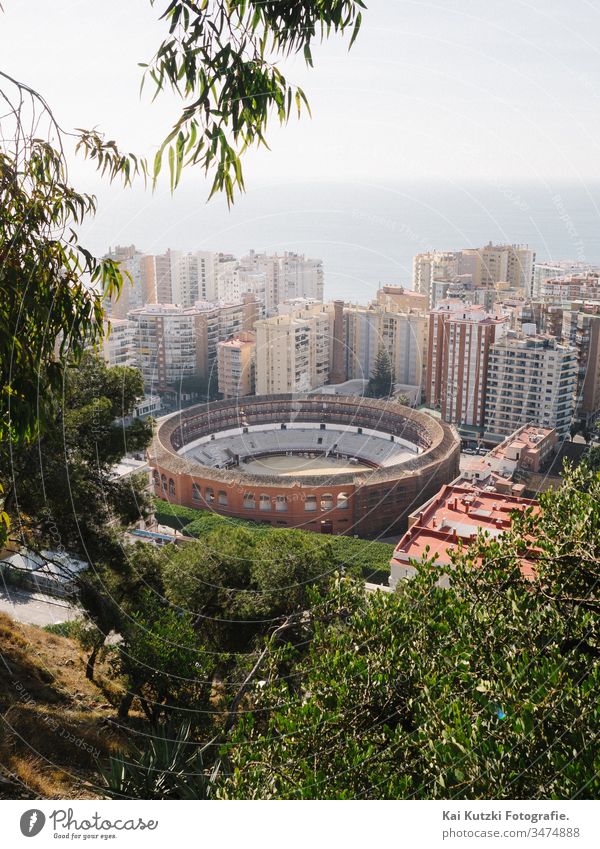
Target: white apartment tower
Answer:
[[117, 345], [165, 344], [531, 380]]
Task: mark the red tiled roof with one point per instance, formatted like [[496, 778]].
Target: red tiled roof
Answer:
[[455, 515]]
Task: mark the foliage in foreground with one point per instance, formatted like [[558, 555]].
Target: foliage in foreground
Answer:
[[486, 689], [482, 690]]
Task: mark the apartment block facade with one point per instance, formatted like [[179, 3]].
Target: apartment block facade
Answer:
[[402, 334], [139, 284], [171, 342], [236, 362], [164, 344], [483, 267], [581, 329], [531, 379], [460, 338], [293, 351], [117, 345], [574, 287]]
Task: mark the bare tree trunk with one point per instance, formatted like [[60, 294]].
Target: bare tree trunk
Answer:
[[125, 705], [91, 661]]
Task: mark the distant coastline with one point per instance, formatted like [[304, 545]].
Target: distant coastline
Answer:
[[365, 233]]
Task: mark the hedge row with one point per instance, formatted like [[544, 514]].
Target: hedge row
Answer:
[[362, 557]]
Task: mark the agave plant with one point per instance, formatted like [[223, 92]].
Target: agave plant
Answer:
[[170, 766]]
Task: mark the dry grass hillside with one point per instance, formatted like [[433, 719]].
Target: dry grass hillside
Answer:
[[54, 721]]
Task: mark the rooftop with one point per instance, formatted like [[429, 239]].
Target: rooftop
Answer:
[[456, 515], [529, 437]]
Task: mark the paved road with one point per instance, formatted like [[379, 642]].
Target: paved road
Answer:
[[35, 608]]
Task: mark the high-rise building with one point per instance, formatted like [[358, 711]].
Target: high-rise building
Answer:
[[220, 321], [139, 285], [460, 337], [531, 380], [165, 344], [483, 267], [184, 278], [581, 329], [163, 264], [431, 266], [402, 334], [236, 365], [286, 276], [117, 346], [293, 351]]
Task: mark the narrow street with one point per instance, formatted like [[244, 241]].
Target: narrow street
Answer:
[[35, 608]]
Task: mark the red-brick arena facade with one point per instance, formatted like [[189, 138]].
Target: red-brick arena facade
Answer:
[[367, 503]]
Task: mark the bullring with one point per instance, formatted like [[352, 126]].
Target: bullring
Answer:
[[329, 464]]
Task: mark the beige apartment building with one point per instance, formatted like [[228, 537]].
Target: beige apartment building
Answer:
[[293, 351], [171, 342], [236, 358], [139, 284], [402, 334], [484, 267], [531, 380], [399, 299]]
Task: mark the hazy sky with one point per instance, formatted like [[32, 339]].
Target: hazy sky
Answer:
[[456, 89]]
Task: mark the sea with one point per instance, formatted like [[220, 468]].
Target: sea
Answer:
[[366, 232]]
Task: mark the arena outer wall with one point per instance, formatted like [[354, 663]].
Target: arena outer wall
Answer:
[[368, 504]]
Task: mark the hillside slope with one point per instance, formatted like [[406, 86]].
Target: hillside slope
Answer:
[[54, 722]]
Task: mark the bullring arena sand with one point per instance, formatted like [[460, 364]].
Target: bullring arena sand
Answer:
[[296, 466]]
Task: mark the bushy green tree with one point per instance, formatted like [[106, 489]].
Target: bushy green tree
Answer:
[[163, 660], [481, 690], [239, 585], [62, 493]]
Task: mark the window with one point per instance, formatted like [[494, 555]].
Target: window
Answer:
[[264, 502], [310, 503], [155, 478], [163, 481], [327, 502], [223, 498], [196, 494], [281, 504], [171, 487], [249, 501], [209, 495], [342, 500]]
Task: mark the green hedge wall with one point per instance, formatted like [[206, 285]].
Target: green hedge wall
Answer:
[[360, 557]]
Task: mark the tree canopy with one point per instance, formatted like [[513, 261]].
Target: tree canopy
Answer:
[[482, 689]]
